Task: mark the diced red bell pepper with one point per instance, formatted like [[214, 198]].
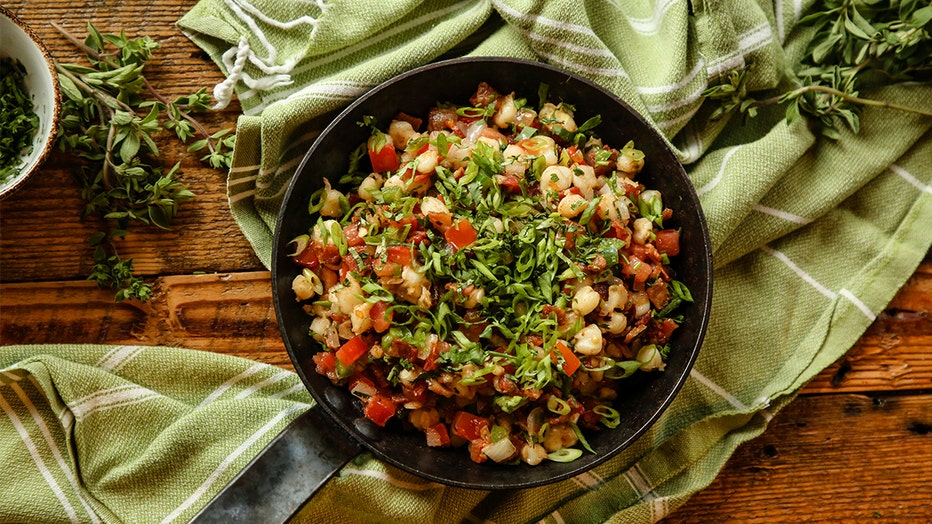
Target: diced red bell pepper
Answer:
[[461, 234], [437, 435], [570, 361], [469, 426], [380, 409], [668, 241], [382, 153], [352, 350]]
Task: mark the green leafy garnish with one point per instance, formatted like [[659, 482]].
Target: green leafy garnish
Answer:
[[855, 46], [19, 121], [111, 119]]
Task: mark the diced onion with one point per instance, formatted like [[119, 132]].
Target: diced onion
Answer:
[[534, 420], [650, 358], [500, 451], [363, 390], [474, 130]]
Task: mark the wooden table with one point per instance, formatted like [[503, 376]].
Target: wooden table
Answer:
[[856, 444]]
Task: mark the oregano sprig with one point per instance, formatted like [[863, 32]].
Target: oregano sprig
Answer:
[[111, 119], [856, 45]]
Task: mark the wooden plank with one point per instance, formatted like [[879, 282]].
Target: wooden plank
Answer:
[[828, 458], [226, 313], [204, 236], [895, 353]]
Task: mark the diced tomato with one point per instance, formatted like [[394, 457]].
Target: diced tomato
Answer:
[[668, 241], [570, 360], [664, 329], [325, 364], [430, 361], [329, 277], [330, 254], [475, 451], [510, 183], [382, 153], [416, 392], [351, 233], [381, 317], [576, 155], [424, 147], [638, 268], [461, 234], [399, 255], [348, 265], [416, 237], [619, 231], [308, 258], [380, 409], [469, 426], [352, 350], [437, 435]]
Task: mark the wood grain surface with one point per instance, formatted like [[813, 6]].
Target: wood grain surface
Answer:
[[855, 446]]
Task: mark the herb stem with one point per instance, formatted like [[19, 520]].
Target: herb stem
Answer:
[[187, 116], [796, 93], [98, 95], [155, 93]]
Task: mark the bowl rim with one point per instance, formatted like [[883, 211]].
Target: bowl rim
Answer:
[[47, 142], [702, 317]]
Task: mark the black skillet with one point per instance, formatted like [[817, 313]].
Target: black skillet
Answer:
[[309, 452]]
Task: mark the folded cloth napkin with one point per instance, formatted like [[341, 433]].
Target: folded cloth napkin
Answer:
[[811, 237]]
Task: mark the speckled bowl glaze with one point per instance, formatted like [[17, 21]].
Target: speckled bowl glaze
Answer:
[[18, 41]]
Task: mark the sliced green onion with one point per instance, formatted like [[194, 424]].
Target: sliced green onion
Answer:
[[565, 455], [558, 405], [581, 437], [610, 416], [300, 244]]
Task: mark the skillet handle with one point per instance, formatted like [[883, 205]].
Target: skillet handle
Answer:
[[284, 475]]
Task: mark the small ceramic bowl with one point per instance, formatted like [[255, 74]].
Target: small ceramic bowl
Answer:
[[19, 42]]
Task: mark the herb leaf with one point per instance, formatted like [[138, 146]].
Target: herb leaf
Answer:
[[111, 119]]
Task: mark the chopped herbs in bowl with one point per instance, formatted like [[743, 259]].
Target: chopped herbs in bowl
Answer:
[[18, 120], [492, 273], [29, 102]]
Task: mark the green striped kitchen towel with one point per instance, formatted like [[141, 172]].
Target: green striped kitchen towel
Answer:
[[812, 237]]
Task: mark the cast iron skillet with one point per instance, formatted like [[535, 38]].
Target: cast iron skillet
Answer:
[[338, 420]]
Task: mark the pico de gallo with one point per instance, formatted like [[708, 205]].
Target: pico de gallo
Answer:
[[492, 277]]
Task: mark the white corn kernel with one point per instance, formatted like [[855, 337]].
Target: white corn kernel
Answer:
[[571, 205], [588, 341], [642, 229], [585, 300]]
